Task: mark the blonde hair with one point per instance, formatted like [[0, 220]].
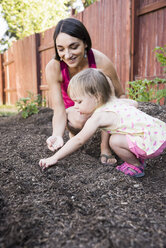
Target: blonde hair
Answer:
[[92, 82]]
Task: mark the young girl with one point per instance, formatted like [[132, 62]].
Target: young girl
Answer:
[[135, 136]]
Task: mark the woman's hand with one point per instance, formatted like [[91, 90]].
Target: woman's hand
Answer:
[[54, 142]]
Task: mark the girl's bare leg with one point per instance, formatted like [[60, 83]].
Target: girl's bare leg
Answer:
[[118, 143], [105, 149]]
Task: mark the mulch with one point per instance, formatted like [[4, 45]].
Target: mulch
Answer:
[[78, 203]]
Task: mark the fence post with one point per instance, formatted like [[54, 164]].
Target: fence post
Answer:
[[38, 64], [134, 38]]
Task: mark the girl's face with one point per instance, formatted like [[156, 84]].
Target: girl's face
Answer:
[[85, 104], [70, 49]]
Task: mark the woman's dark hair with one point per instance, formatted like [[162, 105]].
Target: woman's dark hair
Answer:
[[72, 27], [73, 130]]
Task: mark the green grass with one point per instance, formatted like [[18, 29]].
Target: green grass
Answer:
[[8, 110]]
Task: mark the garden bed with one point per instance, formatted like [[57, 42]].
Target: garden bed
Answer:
[[78, 203]]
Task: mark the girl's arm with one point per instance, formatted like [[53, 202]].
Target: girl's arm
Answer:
[[73, 144], [53, 77]]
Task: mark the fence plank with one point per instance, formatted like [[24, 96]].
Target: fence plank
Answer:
[[9, 77], [151, 34], [2, 100], [26, 66], [46, 53]]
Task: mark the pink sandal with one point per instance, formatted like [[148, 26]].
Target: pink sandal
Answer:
[[131, 170]]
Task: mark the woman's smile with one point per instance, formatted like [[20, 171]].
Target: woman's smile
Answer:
[[71, 60]]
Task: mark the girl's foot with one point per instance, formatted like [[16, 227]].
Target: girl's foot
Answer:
[[131, 170], [107, 159]]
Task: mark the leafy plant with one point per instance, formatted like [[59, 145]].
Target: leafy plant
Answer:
[[161, 56], [30, 105], [146, 90], [86, 3], [80, 5]]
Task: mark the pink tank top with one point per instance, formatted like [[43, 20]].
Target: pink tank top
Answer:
[[66, 78]]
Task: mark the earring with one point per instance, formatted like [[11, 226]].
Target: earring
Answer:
[[85, 54]]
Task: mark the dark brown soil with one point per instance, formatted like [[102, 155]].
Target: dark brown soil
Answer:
[[78, 203]]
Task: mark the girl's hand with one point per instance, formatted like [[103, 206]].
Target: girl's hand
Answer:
[[47, 162], [54, 142]]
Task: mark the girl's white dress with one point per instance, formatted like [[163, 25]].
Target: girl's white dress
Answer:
[[147, 132]]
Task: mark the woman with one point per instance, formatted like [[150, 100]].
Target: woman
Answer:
[[73, 54]]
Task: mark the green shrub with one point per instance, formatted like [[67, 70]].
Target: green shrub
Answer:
[[146, 90], [30, 105], [161, 56]]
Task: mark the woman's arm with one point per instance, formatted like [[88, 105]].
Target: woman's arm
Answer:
[[107, 67], [53, 77]]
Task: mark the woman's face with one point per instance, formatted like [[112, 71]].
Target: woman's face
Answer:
[[70, 49]]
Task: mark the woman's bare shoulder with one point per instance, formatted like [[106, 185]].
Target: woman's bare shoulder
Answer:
[[100, 58], [102, 61], [52, 70], [105, 64]]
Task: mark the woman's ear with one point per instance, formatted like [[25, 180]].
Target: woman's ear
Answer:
[[86, 46]]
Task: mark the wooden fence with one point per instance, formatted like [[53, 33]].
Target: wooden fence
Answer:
[[126, 31]]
